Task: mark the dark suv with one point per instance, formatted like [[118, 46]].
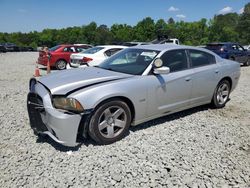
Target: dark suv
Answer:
[[229, 50], [2, 48]]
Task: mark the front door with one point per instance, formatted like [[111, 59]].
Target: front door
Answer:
[[172, 91]]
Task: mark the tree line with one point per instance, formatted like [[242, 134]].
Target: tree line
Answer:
[[229, 27]]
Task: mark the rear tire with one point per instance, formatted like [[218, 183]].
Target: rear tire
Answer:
[[61, 64], [110, 122], [221, 94], [232, 58], [247, 63]]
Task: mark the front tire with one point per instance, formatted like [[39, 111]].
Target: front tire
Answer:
[[61, 64], [110, 122], [221, 94]]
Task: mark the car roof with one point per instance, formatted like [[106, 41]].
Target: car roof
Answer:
[[75, 45], [165, 47], [222, 43], [112, 46]]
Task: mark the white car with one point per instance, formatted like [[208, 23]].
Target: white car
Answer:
[[93, 56], [247, 47], [172, 41]]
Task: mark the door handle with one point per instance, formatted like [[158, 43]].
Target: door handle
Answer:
[[187, 79]]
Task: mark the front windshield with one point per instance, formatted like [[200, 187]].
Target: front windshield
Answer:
[[130, 61], [92, 50]]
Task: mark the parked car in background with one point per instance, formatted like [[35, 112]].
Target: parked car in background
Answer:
[[133, 86], [171, 41], [129, 44], [11, 47], [247, 47], [232, 51], [93, 56], [2, 48], [59, 56], [26, 49], [165, 40]]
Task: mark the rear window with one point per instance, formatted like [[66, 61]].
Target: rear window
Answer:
[[92, 50], [215, 46], [54, 48]]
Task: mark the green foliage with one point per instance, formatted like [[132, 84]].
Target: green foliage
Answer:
[[223, 28], [228, 27], [244, 25], [145, 30], [122, 33]]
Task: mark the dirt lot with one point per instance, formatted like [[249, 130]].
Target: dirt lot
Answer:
[[201, 147]]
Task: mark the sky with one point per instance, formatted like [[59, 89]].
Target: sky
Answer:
[[36, 15]]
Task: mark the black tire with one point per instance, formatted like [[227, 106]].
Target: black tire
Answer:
[[247, 63], [232, 58], [219, 98], [104, 122], [61, 64]]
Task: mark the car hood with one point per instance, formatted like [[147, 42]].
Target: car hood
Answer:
[[63, 82]]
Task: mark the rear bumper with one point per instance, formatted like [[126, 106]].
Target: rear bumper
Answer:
[[45, 119], [76, 63], [42, 61]]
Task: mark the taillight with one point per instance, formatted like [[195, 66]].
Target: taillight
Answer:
[[86, 59]]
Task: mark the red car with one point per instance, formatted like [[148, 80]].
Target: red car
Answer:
[[60, 55]]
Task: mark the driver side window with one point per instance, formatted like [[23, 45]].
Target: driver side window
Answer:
[[176, 60]]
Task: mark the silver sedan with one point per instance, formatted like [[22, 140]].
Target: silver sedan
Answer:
[[134, 86]]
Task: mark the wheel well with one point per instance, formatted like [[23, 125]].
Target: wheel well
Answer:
[[124, 99], [232, 57], [61, 60], [229, 80]]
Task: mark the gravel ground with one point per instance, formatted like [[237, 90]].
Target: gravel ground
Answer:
[[201, 147]]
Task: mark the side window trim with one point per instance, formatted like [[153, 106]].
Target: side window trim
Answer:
[[188, 59]]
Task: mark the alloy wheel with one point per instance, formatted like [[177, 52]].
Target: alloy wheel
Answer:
[[112, 121], [223, 93], [61, 65]]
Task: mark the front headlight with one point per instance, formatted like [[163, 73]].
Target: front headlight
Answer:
[[69, 104]]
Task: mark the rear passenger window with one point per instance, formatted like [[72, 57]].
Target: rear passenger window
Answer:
[[69, 49], [176, 60], [199, 58], [80, 49], [112, 51]]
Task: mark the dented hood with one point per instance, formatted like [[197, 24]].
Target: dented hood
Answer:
[[63, 82]]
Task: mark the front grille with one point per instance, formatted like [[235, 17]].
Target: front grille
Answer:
[[35, 107]]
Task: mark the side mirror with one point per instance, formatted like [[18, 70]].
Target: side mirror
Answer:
[[162, 70], [159, 68]]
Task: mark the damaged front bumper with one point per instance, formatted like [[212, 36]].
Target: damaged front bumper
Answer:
[[62, 127]]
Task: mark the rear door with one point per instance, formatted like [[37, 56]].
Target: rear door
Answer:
[[239, 53], [66, 52], [205, 76], [243, 56]]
